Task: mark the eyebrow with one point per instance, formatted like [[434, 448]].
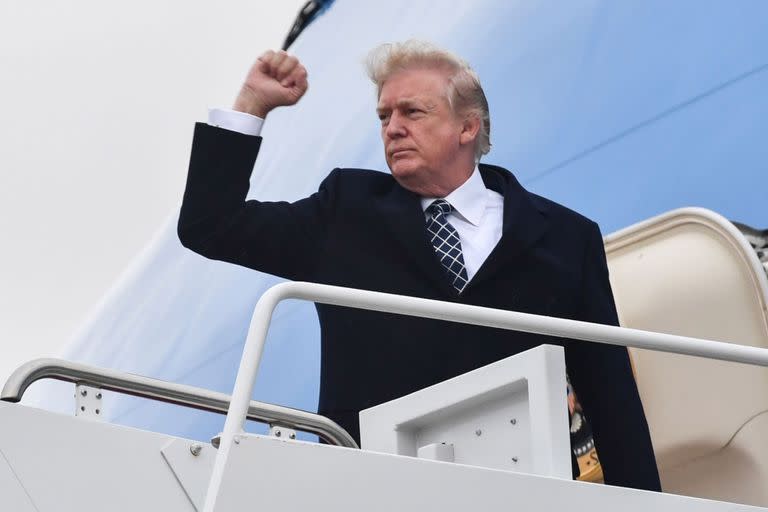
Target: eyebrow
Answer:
[[404, 102]]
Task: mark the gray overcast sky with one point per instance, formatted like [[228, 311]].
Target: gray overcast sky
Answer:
[[99, 100]]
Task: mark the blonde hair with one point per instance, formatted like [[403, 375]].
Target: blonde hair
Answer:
[[465, 95]]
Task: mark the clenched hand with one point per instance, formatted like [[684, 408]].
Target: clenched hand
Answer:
[[276, 79]]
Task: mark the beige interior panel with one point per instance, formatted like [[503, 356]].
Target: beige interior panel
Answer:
[[736, 473], [690, 272]]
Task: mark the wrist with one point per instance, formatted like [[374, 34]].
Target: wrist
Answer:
[[247, 101]]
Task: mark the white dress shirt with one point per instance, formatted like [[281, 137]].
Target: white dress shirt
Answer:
[[477, 215]]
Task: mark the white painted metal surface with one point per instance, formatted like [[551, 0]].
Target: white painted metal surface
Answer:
[[411, 306], [191, 463], [283, 432], [55, 463], [508, 415], [89, 402], [300, 476], [68, 464], [13, 496], [40, 449], [437, 451]]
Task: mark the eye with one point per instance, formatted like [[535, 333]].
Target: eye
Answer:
[[414, 112], [384, 118]]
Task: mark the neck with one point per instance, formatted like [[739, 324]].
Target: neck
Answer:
[[444, 184]]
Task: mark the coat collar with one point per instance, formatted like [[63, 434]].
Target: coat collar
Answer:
[[525, 221]]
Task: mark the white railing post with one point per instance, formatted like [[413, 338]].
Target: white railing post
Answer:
[[246, 378]]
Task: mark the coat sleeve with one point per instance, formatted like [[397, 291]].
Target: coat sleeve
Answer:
[[602, 377], [216, 221]]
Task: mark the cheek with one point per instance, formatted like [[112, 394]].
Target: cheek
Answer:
[[444, 143]]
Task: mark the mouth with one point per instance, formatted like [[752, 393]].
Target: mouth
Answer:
[[399, 153]]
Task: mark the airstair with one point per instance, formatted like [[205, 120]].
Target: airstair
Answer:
[[438, 448]]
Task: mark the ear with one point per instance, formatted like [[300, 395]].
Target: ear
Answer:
[[470, 129]]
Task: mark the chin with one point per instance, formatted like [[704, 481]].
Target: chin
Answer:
[[409, 180], [403, 170]]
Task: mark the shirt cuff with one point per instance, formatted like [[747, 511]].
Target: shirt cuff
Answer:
[[235, 121]]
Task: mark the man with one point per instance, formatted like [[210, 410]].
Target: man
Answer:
[[440, 227]]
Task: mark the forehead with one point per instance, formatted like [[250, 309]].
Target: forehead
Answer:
[[414, 84]]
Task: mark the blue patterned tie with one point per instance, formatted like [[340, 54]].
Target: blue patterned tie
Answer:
[[445, 240]]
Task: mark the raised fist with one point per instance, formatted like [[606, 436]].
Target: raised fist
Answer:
[[275, 79]]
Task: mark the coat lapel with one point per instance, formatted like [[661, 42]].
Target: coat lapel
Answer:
[[524, 222], [403, 218]]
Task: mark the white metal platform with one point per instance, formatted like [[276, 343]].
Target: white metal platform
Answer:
[[52, 462]]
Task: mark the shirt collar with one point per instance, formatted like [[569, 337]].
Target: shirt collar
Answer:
[[468, 200]]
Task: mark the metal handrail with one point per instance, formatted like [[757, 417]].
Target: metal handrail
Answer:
[[438, 310], [169, 392]]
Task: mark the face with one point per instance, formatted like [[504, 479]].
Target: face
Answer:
[[428, 148]]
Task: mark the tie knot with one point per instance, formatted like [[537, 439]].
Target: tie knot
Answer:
[[438, 207]]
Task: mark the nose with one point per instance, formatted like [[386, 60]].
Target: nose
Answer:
[[395, 126]]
